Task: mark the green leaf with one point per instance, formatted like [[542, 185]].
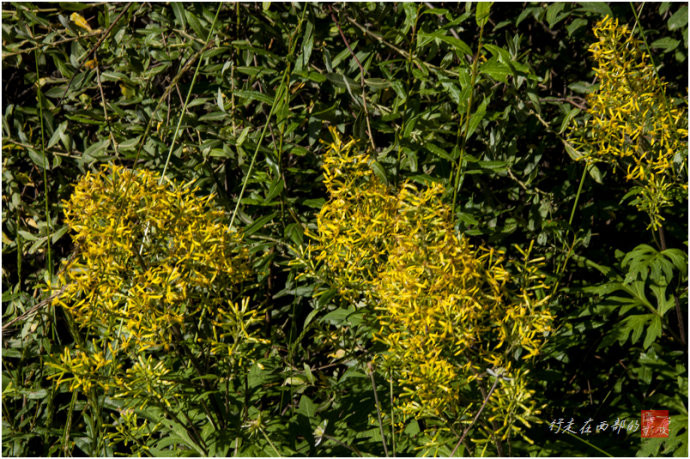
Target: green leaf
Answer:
[[459, 46], [307, 43], [195, 25], [379, 171], [214, 116], [129, 144], [96, 149], [55, 138], [178, 11], [575, 25], [653, 332], [666, 43], [37, 394], [259, 223], [438, 151], [495, 70], [477, 117], [295, 232], [37, 158], [482, 13], [552, 13], [572, 113], [254, 95], [306, 407], [599, 8], [679, 18]]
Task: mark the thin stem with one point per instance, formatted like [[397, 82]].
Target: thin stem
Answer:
[[39, 95], [570, 222], [390, 385], [588, 443], [577, 196], [458, 168], [105, 111], [481, 408], [270, 443], [351, 448], [68, 424], [679, 313], [278, 96], [189, 93], [378, 407], [361, 78]]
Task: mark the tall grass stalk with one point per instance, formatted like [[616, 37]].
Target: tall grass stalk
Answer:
[[189, 93], [282, 89], [456, 173], [39, 96]]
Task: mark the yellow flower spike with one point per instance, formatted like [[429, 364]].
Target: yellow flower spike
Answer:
[[133, 285], [631, 121], [436, 296]]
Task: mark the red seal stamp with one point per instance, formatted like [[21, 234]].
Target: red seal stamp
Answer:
[[654, 423]]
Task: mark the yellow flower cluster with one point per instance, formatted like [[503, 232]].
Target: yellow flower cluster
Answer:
[[445, 308], [130, 431], [156, 267], [632, 123]]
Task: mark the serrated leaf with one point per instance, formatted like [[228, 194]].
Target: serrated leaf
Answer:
[[653, 332]]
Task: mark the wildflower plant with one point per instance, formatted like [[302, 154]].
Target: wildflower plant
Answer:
[[450, 314], [156, 284], [632, 124]]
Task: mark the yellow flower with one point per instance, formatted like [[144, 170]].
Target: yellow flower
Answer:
[[631, 123], [155, 265], [442, 304]]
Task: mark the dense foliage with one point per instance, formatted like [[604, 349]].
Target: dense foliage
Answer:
[[344, 229]]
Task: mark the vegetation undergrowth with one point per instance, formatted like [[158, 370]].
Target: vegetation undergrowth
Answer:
[[344, 229]]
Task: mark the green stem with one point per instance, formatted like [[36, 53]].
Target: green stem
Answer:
[[456, 174], [589, 444], [189, 93], [68, 424], [378, 407], [570, 222], [390, 385], [270, 443], [577, 196], [408, 83], [649, 53], [278, 96], [39, 95]]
